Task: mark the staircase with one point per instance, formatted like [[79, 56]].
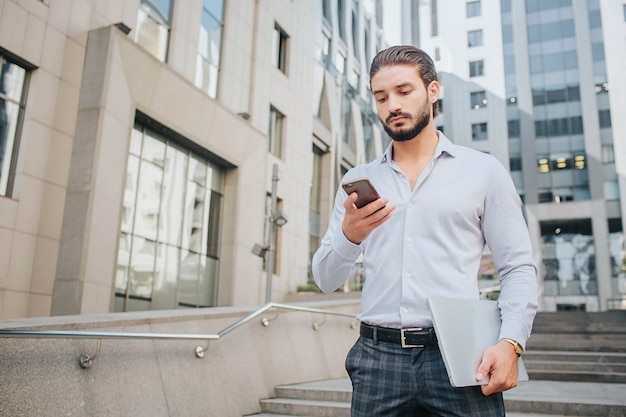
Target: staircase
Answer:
[[576, 362]]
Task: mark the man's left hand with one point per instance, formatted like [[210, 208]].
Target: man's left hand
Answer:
[[500, 365]]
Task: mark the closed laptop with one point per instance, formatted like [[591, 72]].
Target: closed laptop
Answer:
[[465, 329]]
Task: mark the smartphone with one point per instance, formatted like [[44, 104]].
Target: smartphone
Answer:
[[365, 190]]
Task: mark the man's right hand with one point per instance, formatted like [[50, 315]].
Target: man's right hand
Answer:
[[358, 223]]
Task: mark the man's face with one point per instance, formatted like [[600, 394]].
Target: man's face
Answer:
[[403, 103]]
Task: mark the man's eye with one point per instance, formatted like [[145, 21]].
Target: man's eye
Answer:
[[405, 92], [381, 99]]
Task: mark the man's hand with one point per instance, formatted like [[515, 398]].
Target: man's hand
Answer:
[[500, 364], [359, 223]]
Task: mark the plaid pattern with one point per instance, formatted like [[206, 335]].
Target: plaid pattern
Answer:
[[394, 382]]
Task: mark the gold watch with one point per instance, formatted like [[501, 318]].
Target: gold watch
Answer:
[[518, 348]]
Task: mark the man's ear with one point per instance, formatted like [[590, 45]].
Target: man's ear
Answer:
[[434, 88]]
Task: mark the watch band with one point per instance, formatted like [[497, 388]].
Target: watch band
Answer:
[[518, 348]]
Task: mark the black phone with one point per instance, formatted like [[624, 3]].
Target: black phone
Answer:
[[364, 189]]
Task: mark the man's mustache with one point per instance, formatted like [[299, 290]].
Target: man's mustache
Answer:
[[396, 114]]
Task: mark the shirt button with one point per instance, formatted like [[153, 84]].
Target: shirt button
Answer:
[[407, 275], [409, 239], [410, 205], [405, 310]]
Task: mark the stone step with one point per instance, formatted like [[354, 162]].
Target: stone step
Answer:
[[578, 341], [572, 356], [578, 376], [309, 408], [534, 398]]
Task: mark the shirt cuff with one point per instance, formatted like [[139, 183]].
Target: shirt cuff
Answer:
[[344, 248]]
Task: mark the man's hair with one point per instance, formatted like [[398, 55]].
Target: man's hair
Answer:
[[407, 55]]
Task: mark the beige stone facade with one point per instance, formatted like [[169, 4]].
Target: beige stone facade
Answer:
[[89, 79]]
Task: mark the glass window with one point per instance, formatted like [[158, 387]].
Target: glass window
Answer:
[[479, 131], [168, 250], [209, 46], [568, 252], [277, 122], [280, 43], [478, 99], [608, 154], [355, 34], [474, 38], [604, 117], [13, 78], [515, 163], [513, 128], [472, 8], [434, 27], [341, 18], [315, 206], [476, 68], [153, 27]]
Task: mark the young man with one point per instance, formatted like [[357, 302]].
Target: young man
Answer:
[[440, 205]]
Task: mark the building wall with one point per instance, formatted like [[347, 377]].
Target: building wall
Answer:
[[447, 42], [60, 226]]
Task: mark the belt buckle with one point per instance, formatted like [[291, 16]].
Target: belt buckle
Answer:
[[403, 337]]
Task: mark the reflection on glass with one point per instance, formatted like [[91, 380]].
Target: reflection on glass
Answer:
[[141, 272], [151, 33], [165, 277], [188, 281], [170, 223], [569, 262], [11, 84], [172, 201]]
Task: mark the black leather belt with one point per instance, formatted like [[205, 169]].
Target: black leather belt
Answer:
[[408, 338]]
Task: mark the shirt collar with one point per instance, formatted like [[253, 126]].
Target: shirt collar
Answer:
[[443, 145]]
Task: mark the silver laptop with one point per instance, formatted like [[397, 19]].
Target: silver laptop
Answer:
[[465, 329]]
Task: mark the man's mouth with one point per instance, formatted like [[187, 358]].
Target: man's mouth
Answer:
[[396, 120]]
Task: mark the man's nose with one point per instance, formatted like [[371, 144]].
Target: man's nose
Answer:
[[394, 104]]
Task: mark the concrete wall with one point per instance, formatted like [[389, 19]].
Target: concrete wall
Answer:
[[42, 377]]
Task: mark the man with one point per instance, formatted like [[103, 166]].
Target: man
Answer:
[[440, 204]]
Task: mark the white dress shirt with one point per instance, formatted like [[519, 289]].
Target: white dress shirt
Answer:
[[433, 242]]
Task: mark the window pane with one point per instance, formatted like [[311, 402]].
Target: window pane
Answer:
[[474, 38], [174, 229], [152, 33], [172, 202], [11, 88], [479, 131], [165, 277], [214, 225], [141, 272], [188, 281], [472, 8], [215, 7]]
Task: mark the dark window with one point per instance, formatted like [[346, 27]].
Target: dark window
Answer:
[[474, 38], [472, 8], [13, 82], [605, 118], [280, 48], [434, 31], [478, 99], [515, 163], [513, 128], [476, 68], [479, 131]]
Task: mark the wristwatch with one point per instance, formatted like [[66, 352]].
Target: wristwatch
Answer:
[[518, 348]]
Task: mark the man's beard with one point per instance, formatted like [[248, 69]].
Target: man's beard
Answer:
[[409, 133]]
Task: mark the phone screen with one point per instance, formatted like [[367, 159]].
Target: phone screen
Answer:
[[364, 189]]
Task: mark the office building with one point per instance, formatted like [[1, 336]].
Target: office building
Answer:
[[541, 85], [138, 141]]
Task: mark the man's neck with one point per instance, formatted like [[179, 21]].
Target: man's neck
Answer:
[[421, 147]]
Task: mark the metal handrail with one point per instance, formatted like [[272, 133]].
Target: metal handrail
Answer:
[[85, 360]]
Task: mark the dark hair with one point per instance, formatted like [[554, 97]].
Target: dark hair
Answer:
[[406, 54]]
